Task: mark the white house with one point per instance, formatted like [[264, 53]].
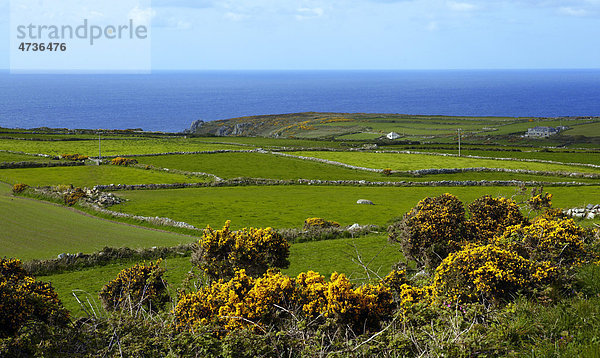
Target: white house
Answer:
[[541, 131], [392, 135]]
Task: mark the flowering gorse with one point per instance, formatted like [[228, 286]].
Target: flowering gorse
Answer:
[[140, 286], [222, 252], [431, 230], [319, 223], [257, 303], [491, 216], [23, 299]]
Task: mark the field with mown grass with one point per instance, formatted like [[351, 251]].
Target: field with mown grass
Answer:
[[262, 165], [400, 161], [557, 155], [114, 147], [289, 206], [91, 175], [32, 229], [257, 165]]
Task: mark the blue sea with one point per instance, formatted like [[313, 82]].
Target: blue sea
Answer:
[[170, 101]]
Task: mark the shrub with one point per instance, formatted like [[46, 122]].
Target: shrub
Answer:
[[19, 188], [72, 197], [246, 302], [431, 230], [491, 216], [559, 241], [222, 252], [23, 299], [487, 273], [318, 223], [123, 161], [361, 308], [74, 157], [540, 201], [136, 287]]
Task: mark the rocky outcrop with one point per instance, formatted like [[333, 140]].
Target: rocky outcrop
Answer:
[[364, 202], [196, 125], [237, 129]]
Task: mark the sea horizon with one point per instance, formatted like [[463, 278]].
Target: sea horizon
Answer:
[[168, 100]]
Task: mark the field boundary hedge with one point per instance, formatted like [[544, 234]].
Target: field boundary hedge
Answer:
[[20, 165], [71, 262], [219, 151], [56, 157], [273, 182]]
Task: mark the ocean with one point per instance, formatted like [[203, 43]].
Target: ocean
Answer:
[[170, 101]]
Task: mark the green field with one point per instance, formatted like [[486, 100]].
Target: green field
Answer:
[[374, 250], [256, 165], [556, 155], [588, 130], [423, 161], [16, 157], [33, 229], [125, 146], [90, 175], [289, 206]]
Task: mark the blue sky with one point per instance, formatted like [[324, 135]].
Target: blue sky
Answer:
[[368, 34]]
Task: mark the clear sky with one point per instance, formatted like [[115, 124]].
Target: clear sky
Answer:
[[368, 34]]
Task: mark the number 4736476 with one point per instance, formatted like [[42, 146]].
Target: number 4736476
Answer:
[[35, 46]]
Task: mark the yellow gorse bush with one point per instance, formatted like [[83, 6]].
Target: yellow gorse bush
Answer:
[[540, 201], [244, 301], [487, 273], [135, 287], [123, 161], [74, 157], [431, 230], [491, 216], [222, 252], [73, 196], [23, 299], [319, 223], [559, 241], [19, 188]]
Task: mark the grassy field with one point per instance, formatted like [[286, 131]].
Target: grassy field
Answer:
[[14, 157], [424, 161], [557, 156], [374, 250], [289, 206], [33, 229], [123, 146], [90, 175], [588, 130], [256, 165]]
